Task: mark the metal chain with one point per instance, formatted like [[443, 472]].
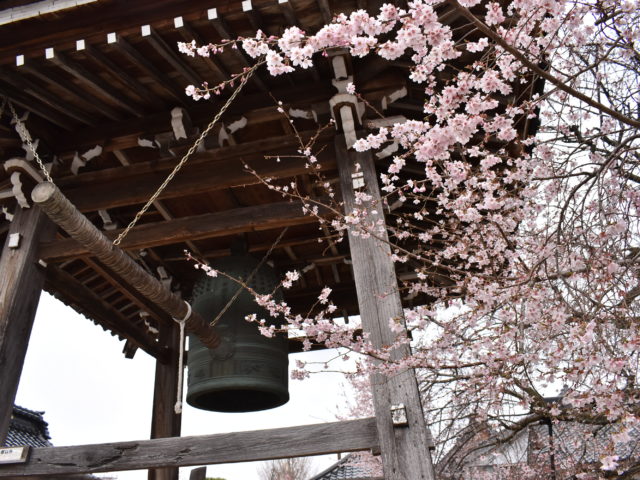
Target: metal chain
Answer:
[[24, 133], [184, 159], [248, 279]]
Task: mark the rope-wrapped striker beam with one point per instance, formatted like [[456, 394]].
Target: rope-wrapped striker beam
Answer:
[[57, 207]]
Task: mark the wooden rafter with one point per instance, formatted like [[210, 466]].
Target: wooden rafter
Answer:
[[160, 78], [209, 225], [94, 82], [74, 291], [51, 76]]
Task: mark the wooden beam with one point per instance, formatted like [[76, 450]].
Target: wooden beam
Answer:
[[95, 82], [225, 32], [214, 64], [49, 198], [405, 449], [122, 75], [42, 95], [172, 57], [319, 439], [123, 135], [51, 76], [129, 293], [249, 151], [21, 282], [197, 227], [325, 9], [26, 102], [161, 79], [74, 293], [289, 13], [197, 178], [165, 422]]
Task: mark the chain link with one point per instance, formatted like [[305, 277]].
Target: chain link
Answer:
[[185, 157], [26, 136]]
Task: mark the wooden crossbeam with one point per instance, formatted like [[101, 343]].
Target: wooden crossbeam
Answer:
[[272, 145], [197, 227], [193, 179], [123, 135], [319, 439]]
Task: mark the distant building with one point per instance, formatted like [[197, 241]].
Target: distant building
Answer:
[[351, 467], [27, 427]]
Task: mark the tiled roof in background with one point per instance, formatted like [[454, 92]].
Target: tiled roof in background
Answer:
[[27, 428], [348, 468]]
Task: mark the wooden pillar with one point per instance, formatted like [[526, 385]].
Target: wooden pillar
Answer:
[[21, 282], [405, 449], [164, 421]]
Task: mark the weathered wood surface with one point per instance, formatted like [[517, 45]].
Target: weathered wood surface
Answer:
[[319, 439], [134, 184], [405, 450], [165, 422], [21, 281], [49, 198], [209, 225]]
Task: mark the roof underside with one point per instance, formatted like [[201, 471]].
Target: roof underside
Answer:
[[119, 95]]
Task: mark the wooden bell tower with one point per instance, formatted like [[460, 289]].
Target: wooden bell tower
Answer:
[[99, 85]]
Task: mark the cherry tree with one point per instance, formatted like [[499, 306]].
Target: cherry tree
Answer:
[[526, 245]]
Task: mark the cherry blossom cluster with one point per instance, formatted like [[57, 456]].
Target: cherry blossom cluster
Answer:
[[515, 200]]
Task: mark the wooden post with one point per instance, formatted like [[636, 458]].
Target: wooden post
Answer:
[[165, 422], [405, 449], [21, 281]]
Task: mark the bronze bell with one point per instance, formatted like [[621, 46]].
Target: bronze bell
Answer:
[[247, 371]]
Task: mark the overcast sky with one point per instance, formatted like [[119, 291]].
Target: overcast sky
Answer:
[[77, 374]]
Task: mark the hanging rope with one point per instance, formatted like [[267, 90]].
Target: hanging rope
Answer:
[[178, 406], [215, 321], [186, 156], [26, 136]]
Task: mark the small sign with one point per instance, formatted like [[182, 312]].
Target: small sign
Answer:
[[14, 454]]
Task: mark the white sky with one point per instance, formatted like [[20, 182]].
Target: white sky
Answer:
[[77, 374]]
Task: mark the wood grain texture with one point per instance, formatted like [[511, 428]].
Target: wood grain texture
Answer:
[[165, 422], [202, 176], [209, 225], [319, 439], [21, 281], [49, 198], [405, 450]]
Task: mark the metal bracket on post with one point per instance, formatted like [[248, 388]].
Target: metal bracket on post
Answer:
[[399, 415]]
